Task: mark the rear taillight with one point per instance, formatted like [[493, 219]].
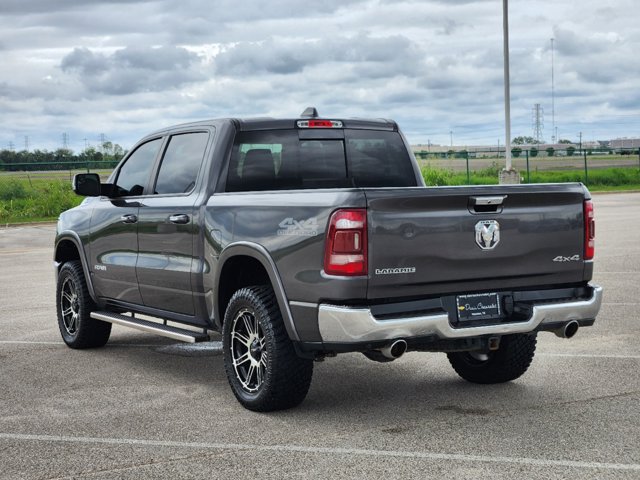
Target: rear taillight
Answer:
[[346, 245], [589, 231]]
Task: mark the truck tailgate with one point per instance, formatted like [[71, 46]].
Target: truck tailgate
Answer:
[[429, 241]]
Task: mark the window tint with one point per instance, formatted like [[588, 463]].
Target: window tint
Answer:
[[379, 159], [279, 160], [181, 163], [134, 174]]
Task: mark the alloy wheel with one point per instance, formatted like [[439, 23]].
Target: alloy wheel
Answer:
[[248, 350], [70, 306]]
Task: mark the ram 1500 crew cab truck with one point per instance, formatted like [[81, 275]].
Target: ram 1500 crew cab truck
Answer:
[[304, 238]]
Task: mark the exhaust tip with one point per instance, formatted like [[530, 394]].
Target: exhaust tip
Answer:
[[570, 329], [395, 350]]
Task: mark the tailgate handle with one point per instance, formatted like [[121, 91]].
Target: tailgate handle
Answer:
[[487, 204]]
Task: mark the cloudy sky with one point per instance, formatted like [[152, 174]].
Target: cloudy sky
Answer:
[[125, 68]]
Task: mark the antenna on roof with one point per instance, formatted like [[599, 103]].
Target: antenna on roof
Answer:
[[310, 112]]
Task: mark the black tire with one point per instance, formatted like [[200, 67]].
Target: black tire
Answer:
[[74, 306], [267, 374], [507, 363]]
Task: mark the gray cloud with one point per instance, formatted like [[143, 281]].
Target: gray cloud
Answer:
[[20, 7], [572, 44], [133, 69], [85, 62], [372, 56], [432, 65]]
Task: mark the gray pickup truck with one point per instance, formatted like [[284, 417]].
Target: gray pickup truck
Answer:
[[300, 239]]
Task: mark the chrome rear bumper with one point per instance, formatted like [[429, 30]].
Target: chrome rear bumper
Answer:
[[354, 325]]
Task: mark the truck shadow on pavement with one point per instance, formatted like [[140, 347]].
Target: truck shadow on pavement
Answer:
[[347, 385]]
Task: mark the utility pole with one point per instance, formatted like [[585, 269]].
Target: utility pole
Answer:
[[65, 141], [553, 100], [580, 149], [451, 135], [26, 143], [103, 139], [11, 146]]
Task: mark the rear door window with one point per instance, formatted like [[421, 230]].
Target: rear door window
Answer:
[[181, 163]]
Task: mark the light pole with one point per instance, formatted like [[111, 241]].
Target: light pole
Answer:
[[554, 138], [508, 175], [507, 86]]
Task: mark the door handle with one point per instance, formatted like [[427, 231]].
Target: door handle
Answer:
[[180, 218], [129, 218]]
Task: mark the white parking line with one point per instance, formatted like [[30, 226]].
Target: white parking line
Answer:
[[587, 355], [27, 250], [539, 462], [616, 273]]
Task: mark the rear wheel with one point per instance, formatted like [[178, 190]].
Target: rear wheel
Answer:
[[507, 363], [262, 367], [74, 306]]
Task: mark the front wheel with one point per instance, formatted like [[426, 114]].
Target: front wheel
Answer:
[[74, 306], [262, 367], [507, 363]]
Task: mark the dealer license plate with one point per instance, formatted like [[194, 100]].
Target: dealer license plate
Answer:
[[478, 306]]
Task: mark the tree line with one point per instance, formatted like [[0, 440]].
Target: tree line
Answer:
[[106, 157], [526, 140]]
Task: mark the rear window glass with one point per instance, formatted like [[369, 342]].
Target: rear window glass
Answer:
[[279, 160]]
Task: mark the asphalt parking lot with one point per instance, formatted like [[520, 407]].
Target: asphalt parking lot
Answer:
[[138, 408]]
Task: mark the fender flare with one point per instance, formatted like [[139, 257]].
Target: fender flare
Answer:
[[74, 238], [258, 252]]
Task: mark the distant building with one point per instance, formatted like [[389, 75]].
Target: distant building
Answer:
[[622, 143], [616, 145]]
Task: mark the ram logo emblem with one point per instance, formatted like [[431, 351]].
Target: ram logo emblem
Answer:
[[487, 234]]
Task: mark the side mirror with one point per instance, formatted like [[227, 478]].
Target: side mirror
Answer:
[[87, 184]]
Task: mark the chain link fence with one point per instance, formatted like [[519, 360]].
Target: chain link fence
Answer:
[[535, 165], [32, 191], [39, 191]]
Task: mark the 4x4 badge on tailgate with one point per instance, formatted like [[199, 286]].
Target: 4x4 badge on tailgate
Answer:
[[487, 234]]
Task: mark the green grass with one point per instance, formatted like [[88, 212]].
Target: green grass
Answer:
[[24, 200], [600, 179], [619, 188], [442, 177], [606, 177]]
